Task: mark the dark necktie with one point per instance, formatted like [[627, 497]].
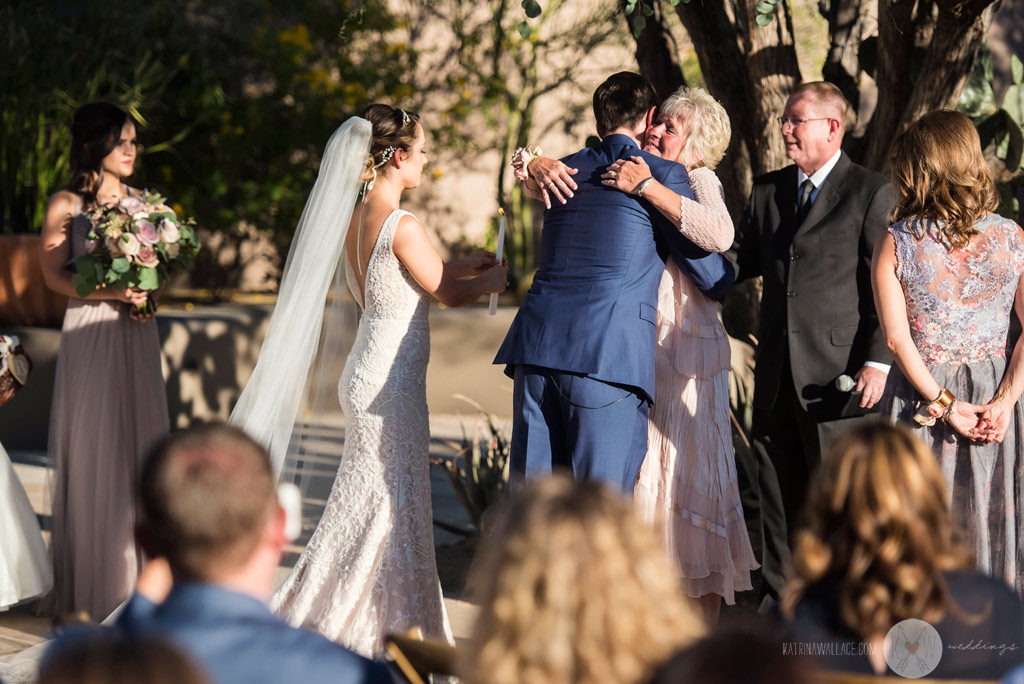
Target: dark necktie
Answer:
[[805, 200]]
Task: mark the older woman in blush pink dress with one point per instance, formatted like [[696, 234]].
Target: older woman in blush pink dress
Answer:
[[687, 486]]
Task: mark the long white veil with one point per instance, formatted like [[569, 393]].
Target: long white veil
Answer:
[[290, 377]]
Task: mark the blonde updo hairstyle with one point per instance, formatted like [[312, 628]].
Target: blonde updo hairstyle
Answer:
[[939, 172], [573, 589], [707, 123], [393, 129], [878, 528]]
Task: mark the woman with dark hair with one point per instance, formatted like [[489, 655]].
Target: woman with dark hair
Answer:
[[369, 567], [109, 403], [946, 277]]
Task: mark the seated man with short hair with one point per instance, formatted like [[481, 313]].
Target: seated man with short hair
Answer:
[[208, 503]]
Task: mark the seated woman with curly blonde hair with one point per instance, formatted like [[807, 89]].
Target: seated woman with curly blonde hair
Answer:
[[880, 548], [572, 590]]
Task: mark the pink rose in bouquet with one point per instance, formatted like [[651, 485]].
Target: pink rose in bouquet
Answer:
[[147, 233], [147, 258], [131, 205], [137, 243]]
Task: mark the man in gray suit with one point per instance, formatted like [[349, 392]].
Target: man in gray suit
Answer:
[[809, 231]]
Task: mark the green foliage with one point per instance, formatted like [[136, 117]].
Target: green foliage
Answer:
[[494, 70], [766, 11], [999, 128], [479, 469], [236, 98]]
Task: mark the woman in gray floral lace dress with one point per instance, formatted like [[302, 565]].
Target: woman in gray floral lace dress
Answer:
[[946, 276]]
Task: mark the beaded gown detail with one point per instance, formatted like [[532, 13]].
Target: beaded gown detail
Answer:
[[688, 484], [109, 407], [369, 568], [958, 306]]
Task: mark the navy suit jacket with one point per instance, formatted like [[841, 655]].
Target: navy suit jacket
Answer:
[[592, 307], [237, 640]]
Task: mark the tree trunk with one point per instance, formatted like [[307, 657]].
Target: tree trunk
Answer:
[[950, 41], [842, 65], [655, 53], [750, 70]]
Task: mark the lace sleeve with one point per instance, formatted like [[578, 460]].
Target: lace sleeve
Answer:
[[706, 221]]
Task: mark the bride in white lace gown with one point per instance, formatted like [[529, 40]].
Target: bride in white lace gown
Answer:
[[369, 568]]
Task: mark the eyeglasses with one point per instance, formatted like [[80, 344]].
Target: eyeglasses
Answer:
[[790, 121]]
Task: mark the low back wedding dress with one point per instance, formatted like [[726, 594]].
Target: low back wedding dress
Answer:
[[369, 568]]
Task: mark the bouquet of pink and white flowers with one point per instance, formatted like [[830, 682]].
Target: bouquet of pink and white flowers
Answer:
[[137, 243]]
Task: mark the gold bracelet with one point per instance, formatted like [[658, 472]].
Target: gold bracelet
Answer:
[[943, 403], [944, 400]]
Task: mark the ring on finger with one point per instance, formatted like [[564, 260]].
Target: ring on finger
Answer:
[[551, 185], [613, 173]]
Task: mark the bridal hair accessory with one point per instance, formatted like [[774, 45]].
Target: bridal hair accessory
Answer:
[[389, 152], [521, 159], [13, 361], [405, 118]]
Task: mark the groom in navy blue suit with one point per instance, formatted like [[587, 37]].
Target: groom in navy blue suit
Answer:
[[581, 348]]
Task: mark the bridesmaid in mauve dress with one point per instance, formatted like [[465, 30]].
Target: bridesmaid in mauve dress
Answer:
[[109, 402]]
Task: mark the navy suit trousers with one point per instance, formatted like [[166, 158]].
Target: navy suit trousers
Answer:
[[594, 429]]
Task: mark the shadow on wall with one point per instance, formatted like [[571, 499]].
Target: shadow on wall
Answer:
[[207, 355]]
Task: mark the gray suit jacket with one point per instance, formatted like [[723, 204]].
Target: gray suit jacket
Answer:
[[817, 304]]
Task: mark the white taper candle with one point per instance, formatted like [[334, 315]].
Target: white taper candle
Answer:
[[498, 252]]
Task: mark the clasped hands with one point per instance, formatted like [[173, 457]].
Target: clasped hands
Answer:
[[986, 423]]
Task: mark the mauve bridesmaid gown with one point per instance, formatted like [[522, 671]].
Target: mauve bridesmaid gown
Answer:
[[109, 407]]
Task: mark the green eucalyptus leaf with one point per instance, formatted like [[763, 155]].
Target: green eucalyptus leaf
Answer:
[[532, 8], [524, 29], [763, 19], [647, 9], [83, 287], [639, 24], [148, 279], [765, 7], [120, 265], [630, 6]]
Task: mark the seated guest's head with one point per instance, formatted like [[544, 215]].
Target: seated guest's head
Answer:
[[104, 656], [573, 589], [878, 528], [731, 657], [624, 101], [208, 504], [939, 172]]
